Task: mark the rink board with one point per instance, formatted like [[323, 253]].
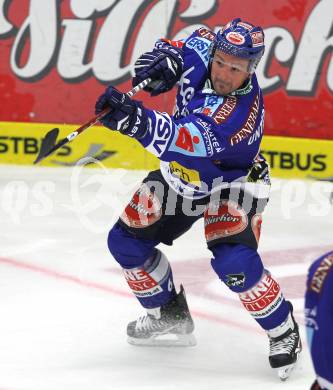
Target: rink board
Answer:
[[20, 142]]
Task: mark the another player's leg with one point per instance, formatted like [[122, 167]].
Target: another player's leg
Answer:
[[319, 319]]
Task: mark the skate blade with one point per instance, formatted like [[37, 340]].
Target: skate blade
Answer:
[[284, 372], [166, 340]]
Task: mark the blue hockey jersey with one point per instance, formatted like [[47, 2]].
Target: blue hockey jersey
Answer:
[[319, 318], [210, 141]]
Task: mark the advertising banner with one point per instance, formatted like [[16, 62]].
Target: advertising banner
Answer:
[[57, 56], [20, 143]]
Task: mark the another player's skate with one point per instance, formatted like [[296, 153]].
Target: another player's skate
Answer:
[[169, 325], [284, 349]]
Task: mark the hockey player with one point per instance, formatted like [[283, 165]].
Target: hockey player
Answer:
[[319, 319], [211, 168]]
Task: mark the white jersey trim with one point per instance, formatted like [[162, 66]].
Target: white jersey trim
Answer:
[[257, 190], [324, 383]]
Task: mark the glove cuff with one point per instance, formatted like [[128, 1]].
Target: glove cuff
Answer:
[[138, 126], [176, 55]]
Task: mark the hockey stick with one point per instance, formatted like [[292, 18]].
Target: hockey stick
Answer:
[[49, 144]]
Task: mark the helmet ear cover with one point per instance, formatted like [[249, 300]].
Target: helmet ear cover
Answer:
[[240, 39]]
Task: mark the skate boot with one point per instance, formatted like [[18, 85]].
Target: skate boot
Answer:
[[284, 346], [168, 325]]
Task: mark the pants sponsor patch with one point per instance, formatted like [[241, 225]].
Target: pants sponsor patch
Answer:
[[143, 210], [225, 219]]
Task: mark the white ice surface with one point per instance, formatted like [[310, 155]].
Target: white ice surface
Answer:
[[64, 305]]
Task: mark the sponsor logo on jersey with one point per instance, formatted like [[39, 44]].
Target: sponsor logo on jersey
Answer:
[[259, 131], [264, 298], [188, 140], [160, 134], [211, 104], [319, 277], [188, 175], [201, 46], [186, 92], [207, 111], [205, 125], [235, 38], [224, 110], [248, 126], [185, 140], [210, 139], [204, 33], [257, 38], [213, 100]]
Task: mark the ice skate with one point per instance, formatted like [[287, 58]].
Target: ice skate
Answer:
[[284, 349], [169, 325]]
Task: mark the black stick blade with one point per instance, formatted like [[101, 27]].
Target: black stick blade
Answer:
[[48, 143]]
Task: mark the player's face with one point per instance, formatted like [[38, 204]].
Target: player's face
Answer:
[[228, 72]]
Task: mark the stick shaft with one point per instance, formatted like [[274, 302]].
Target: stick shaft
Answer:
[[49, 149], [96, 118]]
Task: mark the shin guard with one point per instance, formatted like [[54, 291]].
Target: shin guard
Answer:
[[265, 302], [152, 283]]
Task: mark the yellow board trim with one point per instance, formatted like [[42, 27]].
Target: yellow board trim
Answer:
[[298, 157], [20, 142]]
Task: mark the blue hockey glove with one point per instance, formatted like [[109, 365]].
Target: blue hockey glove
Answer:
[[126, 116], [163, 65]]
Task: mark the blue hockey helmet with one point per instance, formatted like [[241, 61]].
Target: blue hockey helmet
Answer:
[[241, 39]]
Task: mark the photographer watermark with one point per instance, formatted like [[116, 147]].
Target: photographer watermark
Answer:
[[95, 198]]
